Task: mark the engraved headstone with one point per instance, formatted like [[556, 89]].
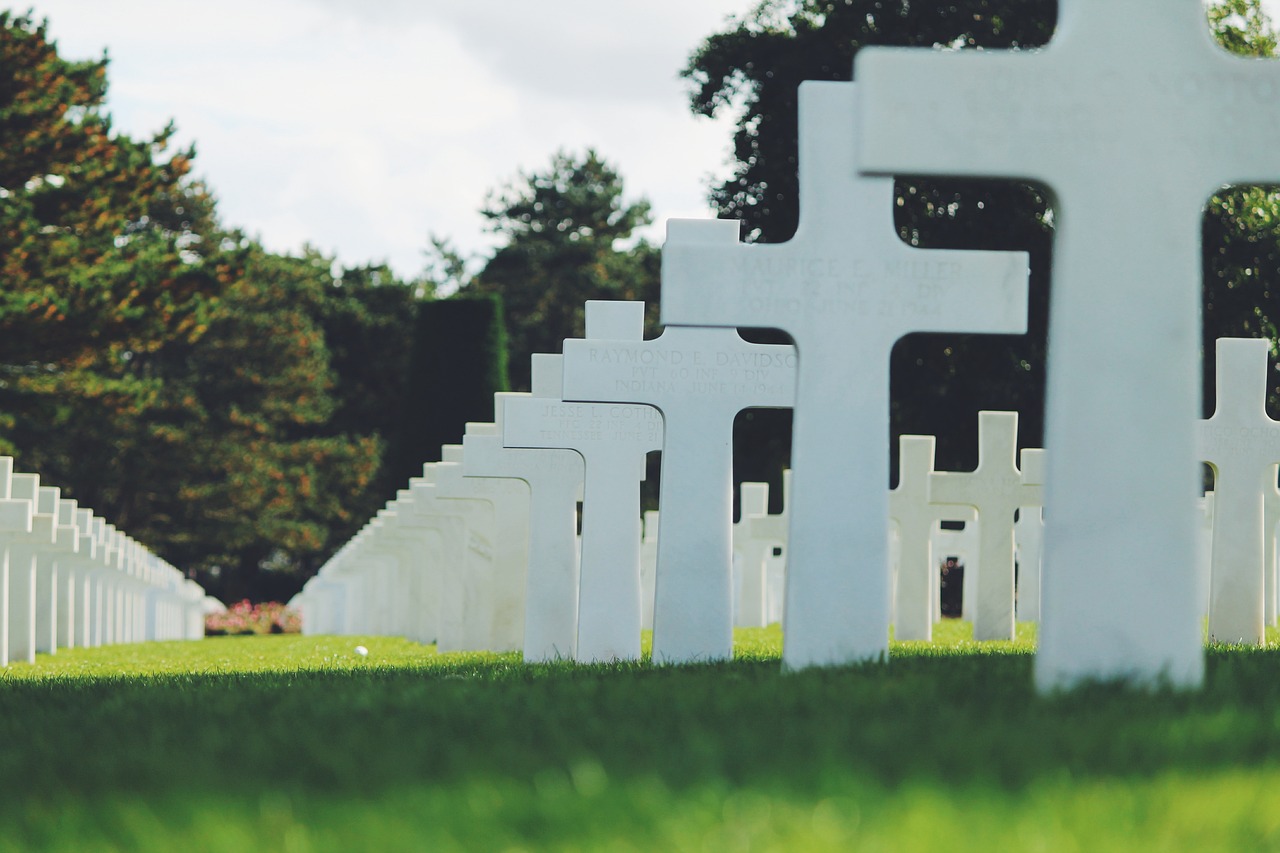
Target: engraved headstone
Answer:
[[1241, 443], [699, 379], [846, 288], [1103, 114], [996, 488], [613, 440], [497, 514], [554, 480]]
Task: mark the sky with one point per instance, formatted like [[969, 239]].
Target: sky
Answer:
[[363, 126]]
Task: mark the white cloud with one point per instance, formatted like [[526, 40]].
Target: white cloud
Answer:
[[363, 126]]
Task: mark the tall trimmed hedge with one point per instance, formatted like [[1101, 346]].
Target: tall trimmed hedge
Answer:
[[457, 361]]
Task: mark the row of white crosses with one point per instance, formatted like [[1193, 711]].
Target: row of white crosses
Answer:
[[1089, 117], [443, 562], [996, 490], [577, 437], [68, 579], [594, 610]]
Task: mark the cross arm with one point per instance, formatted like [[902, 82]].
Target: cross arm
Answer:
[[950, 487], [1247, 120], [963, 113]]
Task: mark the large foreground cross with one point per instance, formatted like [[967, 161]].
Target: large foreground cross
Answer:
[[1133, 118], [845, 288]]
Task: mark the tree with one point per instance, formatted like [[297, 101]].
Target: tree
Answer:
[[107, 247], [367, 316], [222, 404], [457, 362], [111, 260], [564, 230], [273, 478]]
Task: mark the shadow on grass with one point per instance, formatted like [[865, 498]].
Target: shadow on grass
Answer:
[[961, 719]]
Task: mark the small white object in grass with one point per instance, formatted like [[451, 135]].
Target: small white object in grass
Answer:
[[362, 651]]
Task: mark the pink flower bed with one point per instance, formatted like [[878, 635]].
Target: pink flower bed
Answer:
[[243, 617]]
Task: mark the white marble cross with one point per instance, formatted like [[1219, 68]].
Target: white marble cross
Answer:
[[699, 378], [772, 530], [1028, 540], [915, 517], [1133, 117], [15, 522], [467, 604], [845, 288], [554, 480], [421, 593], [1241, 443], [613, 440], [996, 489], [446, 558], [71, 575], [29, 557], [499, 537]]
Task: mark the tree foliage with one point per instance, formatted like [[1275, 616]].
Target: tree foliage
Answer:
[[225, 405], [564, 230]]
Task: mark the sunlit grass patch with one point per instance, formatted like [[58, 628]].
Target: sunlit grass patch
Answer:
[[303, 744]]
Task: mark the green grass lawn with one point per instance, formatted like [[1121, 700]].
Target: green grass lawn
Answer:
[[294, 744]]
